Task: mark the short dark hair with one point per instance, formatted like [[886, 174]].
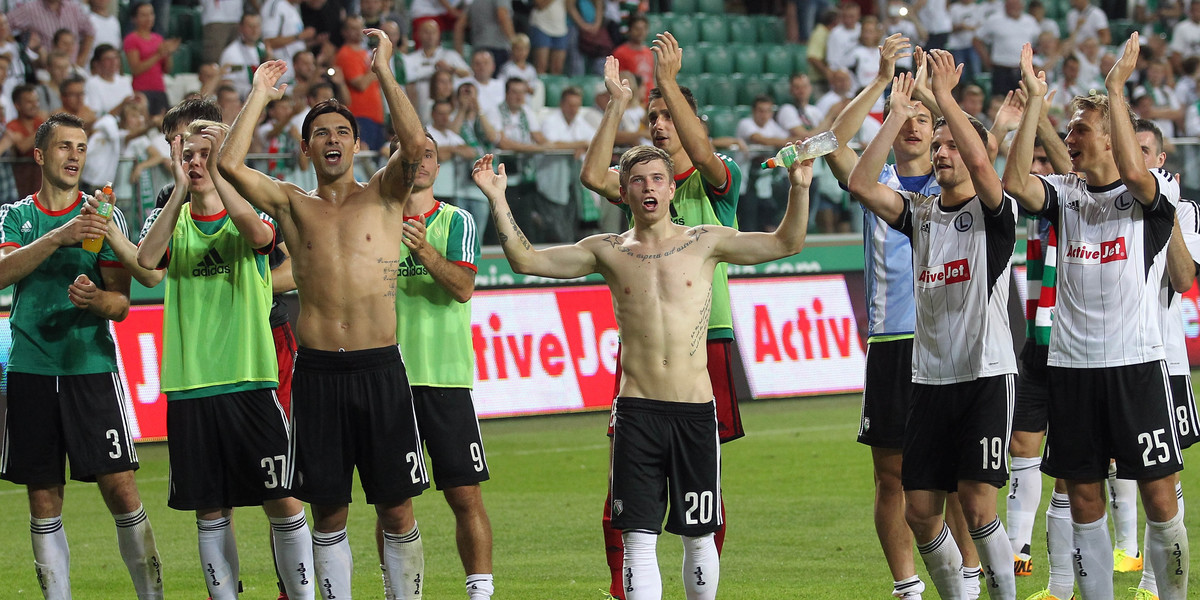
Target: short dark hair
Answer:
[[508, 83], [639, 18], [394, 143], [99, 52], [191, 109], [72, 80], [763, 99], [42, 137], [318, 86], [979, 128], [656, 94], [1144, 125], [224, 88], [61, 32], [21, 90], [324, 107]]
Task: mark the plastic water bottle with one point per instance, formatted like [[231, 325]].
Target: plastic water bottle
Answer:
[[816, 146], [105, 209]]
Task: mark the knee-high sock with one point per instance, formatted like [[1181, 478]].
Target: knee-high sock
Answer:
[[51, 557], [294, 555], [1060, 545], [480, 586], [1093, 558], [220, 566], [135, 539], [642, 579], [971, 577], [1024, 494], [404, 555], [701, 567], [614, 551], [1149, 581], [1167, 542], [333, 562], [1122, 502], [995, 556], [944, 563]]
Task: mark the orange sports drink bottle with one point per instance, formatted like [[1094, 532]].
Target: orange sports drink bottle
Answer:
[[105, 209]]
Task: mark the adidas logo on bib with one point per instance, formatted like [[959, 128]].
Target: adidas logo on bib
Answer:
[[212, 264]]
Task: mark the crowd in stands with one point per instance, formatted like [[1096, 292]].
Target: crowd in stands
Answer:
[[504, 75]]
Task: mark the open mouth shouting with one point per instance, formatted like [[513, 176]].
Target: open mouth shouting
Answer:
[[333, 157]]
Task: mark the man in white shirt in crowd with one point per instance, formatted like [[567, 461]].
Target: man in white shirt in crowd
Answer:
[[1185, 38], [483, 69], [454, 158], [999, 43], [107, 88], [241, 57], [844, 36], [1087, 21], [760, 129], [219, 19], [421, 64], [284, 33], [800, 118], [107, 26]]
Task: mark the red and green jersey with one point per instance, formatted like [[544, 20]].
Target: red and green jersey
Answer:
[[50, 336], [432, 328], [698, 203]]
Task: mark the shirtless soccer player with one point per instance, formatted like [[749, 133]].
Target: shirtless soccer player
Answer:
[[661, 278], [64, 399], [351, 404], [1107, 400], [963, 364], [708, 184]]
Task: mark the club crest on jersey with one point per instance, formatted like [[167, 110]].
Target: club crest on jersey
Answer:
[[1123, 201], [956, 271], [1089, 253], [963, 221]]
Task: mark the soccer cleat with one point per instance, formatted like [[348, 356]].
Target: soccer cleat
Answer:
[[282, 596], [1124, 563], [1022, 567], [1046, 595], [1141, 594]]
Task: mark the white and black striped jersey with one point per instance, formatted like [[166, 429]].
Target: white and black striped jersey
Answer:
[[1111, 263], [961, 261], [1172, 318]]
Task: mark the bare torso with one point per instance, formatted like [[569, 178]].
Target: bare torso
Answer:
[[345, 254], [662, 296]]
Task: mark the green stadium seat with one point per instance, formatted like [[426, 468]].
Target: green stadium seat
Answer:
[[686, 30], [778, 60], [693, 59], [586, 84], [753, 86], [742, 29], [770, 30], [984, 80], [722, 122], [747, 60], [722, 91], [685, 7], [741, 111], [181, 60], [185, 23], [799, 57], [697, 85], [712, 7], [1121, 29], [718, 59], [781, 90], [656, 23], [714, 29], [554, 85]]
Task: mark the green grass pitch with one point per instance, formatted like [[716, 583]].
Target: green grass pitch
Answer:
[[797, 489]]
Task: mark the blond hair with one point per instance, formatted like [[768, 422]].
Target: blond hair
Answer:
[[644, 154], [195, 127]]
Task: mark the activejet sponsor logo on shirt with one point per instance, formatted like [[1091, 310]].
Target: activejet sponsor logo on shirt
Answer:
[[1091, 253], [955, 271]]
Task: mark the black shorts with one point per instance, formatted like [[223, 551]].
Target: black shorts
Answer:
[[720, 374], [228, 450], [450, 428], [660, 450], [51, 418], [1033, 390], [887, 394], [1123, 413], [355, 409], [1186, 420], [958, 432]]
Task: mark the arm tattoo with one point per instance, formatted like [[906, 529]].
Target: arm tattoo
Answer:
[[408, 172], [513, 222]]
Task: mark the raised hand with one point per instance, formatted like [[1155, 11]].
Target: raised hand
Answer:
[[800, 173], [269, 74], [894, 48], [1124, 67], [668, 57], [944, 75], [901, 99], [618, 88], [489, 181], [1009, 114], [215, 137], [177, 169], [1035, 81], [85, 226], [381, 59], [414, 235]]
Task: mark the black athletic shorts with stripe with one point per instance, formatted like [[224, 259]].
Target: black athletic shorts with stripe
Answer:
[[53, 418], [887, 394], [1033, 390], [666, 450], [355, 409], [1187, 422], [450, 428], [228, 450]]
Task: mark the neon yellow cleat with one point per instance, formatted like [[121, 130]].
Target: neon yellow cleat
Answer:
[[1124, 563], [1140, 594]]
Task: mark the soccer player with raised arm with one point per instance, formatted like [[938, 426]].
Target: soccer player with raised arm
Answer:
[[1107, 400], [64, 398], [351, 403], [963, 367], [708, 185], [227, 432], [661, 275]]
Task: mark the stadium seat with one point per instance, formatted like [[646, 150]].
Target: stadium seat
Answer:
[[752, 86], [586, 84], [717, 59], [656, 23], [697, 85], [781, 89], [722, 122], [1121, 30], [722, 90], [985, 81], [778, 60], [712, 7], [714, 29], [799, 57], [770, 30], [181, 60], [743, 29], [185, 23], [694, 59], [747, 60], [685, 7], [554, 85], [686, 30]]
